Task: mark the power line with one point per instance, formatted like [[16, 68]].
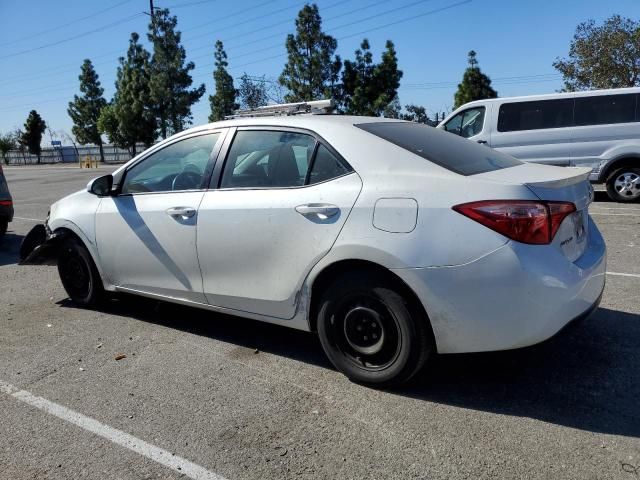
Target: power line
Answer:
[[64, 25]]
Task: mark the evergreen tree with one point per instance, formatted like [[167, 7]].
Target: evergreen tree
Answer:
[[129, 118], [7, 143], [252, 92], [606, 56], [34, 127], [223, 103], [170, 77], [475, 84], [85, 110], [369, 88], [311, 71]]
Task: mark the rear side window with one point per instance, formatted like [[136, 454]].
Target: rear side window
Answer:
[[604, 109], [326, 166], [449, 151], [513, 117]]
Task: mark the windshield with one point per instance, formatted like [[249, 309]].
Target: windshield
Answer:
[[449, 151]]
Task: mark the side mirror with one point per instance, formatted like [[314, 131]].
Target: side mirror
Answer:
[[100, 186]]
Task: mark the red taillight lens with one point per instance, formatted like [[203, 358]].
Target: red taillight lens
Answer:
[[6, 203], [521, 220]]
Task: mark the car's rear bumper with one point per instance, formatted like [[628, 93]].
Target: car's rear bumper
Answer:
[[516, 296], [6, 209]]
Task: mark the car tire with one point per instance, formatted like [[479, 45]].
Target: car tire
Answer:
[[79, 275], [624, 185], [4, 225], [371, 332]]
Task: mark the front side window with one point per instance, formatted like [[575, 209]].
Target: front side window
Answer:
[[536, 115], [604, 109], [179, 166], [262, 159], [467, 123]]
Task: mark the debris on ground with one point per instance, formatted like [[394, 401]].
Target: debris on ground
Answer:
[[120, 356]]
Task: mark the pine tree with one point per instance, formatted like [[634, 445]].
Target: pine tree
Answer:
[[170, 77], [223, 103], [34, 127], [311, 71], [369, 88], [85, 110], [475, 84], [252, 92], [129, 118]]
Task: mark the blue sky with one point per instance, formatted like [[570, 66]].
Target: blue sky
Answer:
[[43, 43]]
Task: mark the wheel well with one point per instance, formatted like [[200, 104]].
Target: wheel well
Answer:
[[616, 164], [333, 271]]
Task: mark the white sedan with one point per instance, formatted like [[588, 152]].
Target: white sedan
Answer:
[[391, 240]]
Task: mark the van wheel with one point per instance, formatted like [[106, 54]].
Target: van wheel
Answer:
[[624, 185], [370, 332], [79, 275]]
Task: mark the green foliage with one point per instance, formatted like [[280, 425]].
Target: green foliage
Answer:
[[415, 113], [369, 88], [7, 143], [606, 56], [252, 92], [170, 78], [34, 127], [223, 103], [85, 110], [475, 84], [129, 118], [311, 71]]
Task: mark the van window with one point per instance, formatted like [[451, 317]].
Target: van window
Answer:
[[535, 115], [450, 152], [604, 109], [467, 123]]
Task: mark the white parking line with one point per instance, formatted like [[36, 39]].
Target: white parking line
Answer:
[[615, 214], [29, 219], [163, 457], [618, 274]]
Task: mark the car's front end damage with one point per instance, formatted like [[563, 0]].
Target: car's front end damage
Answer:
[[41, 246]]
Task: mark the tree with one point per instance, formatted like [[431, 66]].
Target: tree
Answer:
[[170, 77], [85, 110], [253, 92], [7, 143], [130, 118], [34, 127], [369, 88], [606, 56], [415, 113], [223, 103], [311, 71], [475, 84]]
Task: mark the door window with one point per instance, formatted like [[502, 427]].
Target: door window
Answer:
[[179, 166], [259, 159], [467, 123], [326, 166]]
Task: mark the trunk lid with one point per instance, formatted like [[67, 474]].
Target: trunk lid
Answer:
[[562, 184]]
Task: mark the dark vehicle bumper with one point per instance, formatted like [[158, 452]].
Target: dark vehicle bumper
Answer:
[[41, 246], [6, 209]]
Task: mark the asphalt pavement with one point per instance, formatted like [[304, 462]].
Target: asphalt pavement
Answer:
[[202, 395]]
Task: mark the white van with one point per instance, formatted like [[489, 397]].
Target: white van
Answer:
[[599, 129]]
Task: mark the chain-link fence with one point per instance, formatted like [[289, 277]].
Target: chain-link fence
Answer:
[[71, 154]]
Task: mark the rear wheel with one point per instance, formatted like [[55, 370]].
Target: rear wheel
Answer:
[[624, 185], [4, 225], [79, 275], [370, 332]]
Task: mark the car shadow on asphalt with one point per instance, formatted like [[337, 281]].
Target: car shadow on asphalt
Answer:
[[10, 248], [586, 377]]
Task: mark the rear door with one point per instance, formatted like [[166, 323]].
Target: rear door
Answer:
[[283, 197], [536, 131]]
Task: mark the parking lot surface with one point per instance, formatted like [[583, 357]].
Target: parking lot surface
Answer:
[[204, 395]]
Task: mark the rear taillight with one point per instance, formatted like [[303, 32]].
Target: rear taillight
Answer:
[[5, 203], [521, 220]]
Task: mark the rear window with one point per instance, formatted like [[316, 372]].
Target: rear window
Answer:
[[449, 151], [4, 189]]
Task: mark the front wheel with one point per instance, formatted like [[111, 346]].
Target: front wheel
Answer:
[[624, 185], [370, 332], [79, 275]]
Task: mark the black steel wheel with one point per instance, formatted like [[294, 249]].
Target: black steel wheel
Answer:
[[370, 332], [79, 275]]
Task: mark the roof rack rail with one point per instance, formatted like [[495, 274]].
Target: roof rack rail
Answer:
[[316, 107]]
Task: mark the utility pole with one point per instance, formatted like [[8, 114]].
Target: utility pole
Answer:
[[152, 14]]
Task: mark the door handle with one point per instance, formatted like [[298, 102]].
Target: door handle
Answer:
[[483, 142], [184, 212], [321, 210]]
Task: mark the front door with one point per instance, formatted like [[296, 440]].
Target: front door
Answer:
[[146, 235], [282, 201]]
